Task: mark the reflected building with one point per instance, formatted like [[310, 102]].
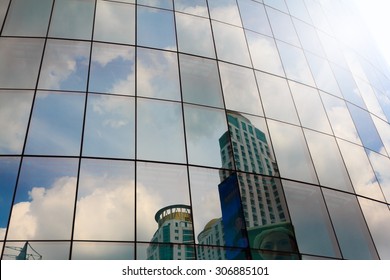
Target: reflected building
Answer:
[[269, 124]]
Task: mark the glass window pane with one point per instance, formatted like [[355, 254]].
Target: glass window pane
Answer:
[[310, 109], [44, 202], [310, 219], [277, 4], [194, 35], [165, 4], [3, 10], [15, 107], [155, 185], [231, 44], [295, 64], [160, 251], [155, 28], [9, 167], [381, 166], [157, 74], [105, 208], [102, 251], [115, 22], [378, 219], [383, 129], [323, 74], [360, 171], [282, 27], [308, 37], [297, 8], [28, 18], [20, 59], [327, 160], [109, 127], [254, 17], [276, 97], [65, 65], [354, 239], [195, 7], [291, 152], [240, 89], [160, 132], [112, 69], [332, 49], [264, 53], [37, 250], [200, 81], [59, 115], [225, 11], [72, 19], [205, 129], [340, 118]]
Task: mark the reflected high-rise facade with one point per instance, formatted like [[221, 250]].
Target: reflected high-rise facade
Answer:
[[266, 122]]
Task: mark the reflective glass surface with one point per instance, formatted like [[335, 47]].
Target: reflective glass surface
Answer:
[[195, 7], [225, 11], [102, 251], [254, 17], [282, 26]]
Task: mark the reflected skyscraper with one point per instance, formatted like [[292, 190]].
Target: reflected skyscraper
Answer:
[[267, 121]]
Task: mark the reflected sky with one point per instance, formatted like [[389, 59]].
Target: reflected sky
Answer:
[[195, 7], [254, 17], [282, 27], [225, 11], [102, 251]]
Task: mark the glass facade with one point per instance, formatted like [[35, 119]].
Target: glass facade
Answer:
[[192, 129]]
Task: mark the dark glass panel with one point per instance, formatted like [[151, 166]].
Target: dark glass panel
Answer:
[[33, 250]]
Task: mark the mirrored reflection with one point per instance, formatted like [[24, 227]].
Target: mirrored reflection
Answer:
[[44, 201], [297, 8], [155, 28], [254, 17], [195, 7], [65, 65], [340, 118], [360, 171], [160, 131], [291, 152], [282, 27], [354, 239], [370, 98], [310, 218], [112, 69], [205, 252], [9, 167], [276, 98], [332, 49], [205, 128], [15, 109], [240, 89], [295, 64], [157, 74], [225, 11], [327, 160], [323, 74], [161, 251], [383, 129], [20, 59], [264, 53], [308, 37], [318, 16], [381, 167], [200, 81], [277, 4], [109, 127], [194, 35], [165, 4], [28, 18], [72, 19], [378, 219], [102, 251], [115, 22], [59, 115], [366, 129], [311, 112], [32, 250], [106, 190], [231, 44], [159, 211]]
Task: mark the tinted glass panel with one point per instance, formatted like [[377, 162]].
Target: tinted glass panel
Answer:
[[200, 81], [282, 27], [20, 59], [102, 251], [254, 17], [308, 37], [65, 65], [160, 132], [44, 202], [28, 18], [297, 8], [381, 165], [105, 208], [277, 4], [166, 4], [195, 7], [225, 11], [370, 98], [109, 127], [112, 69], [15, 109], [60, 116], [37, 250], [115, 22]]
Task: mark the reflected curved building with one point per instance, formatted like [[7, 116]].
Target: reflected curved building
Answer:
[[255, 129]]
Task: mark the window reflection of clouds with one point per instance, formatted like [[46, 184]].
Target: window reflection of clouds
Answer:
[[308, 37], [164, 4], [225, 11], [254, 17], [282, 27], [381, 167], [102, 251]]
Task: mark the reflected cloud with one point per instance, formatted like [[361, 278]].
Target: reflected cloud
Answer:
[[225, 11]]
